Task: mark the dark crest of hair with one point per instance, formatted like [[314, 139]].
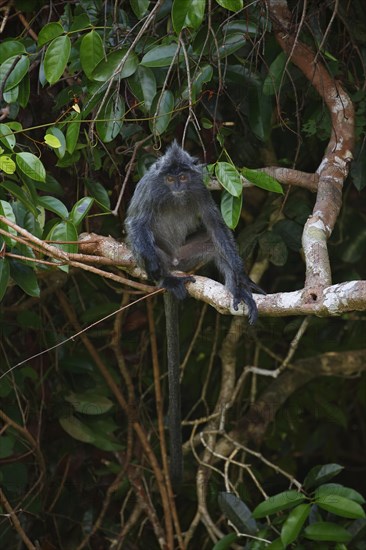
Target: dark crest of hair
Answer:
[[177, 160]]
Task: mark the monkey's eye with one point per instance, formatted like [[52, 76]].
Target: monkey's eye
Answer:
[[170, 179], [183, 177]]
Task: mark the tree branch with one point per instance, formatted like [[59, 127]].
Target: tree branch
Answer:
[[334, 300], [334, 166]]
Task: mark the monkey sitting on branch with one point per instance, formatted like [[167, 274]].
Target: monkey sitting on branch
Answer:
[[174, 224]]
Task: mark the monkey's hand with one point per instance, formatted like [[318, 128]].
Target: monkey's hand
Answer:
[[176, 285]]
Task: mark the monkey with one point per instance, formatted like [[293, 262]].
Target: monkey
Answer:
[[173, 224]]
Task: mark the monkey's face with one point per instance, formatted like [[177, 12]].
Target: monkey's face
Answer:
[[178, 183]]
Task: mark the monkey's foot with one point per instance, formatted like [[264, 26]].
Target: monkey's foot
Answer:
[[176, 285], [243, 295]]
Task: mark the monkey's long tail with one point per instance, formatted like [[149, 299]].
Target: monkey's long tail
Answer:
[[175, 429]]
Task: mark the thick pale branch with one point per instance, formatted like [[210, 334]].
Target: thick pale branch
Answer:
[[287, 176], [335, 300], [334, 167]]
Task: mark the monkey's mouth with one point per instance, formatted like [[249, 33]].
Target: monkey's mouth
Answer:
[[179, 193]]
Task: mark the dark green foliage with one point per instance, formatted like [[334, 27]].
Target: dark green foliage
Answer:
[[85, 93]]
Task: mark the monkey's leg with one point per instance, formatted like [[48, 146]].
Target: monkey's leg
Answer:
[[175, 428], [197, 251]]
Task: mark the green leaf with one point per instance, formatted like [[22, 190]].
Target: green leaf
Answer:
[[4, 276], [231, 209], [54, 205], [273, 248], [7, 211], [110, 119], [106, 442], [91, 52], [229, 44], [206, 123], [11, 96], [229, 178], [274, 78], [262, 180], [237, 512], [143, 86], [160, 56], [275, 545], [277, 503], [161, 109], [57, 133], [69, 160], [336, 489], [6, 136], [204, 75], [15, 125], [226, 542], [332, 411], [53, 186], [260, 113], [232, 5], [24, 91], [99, 193], [56, 58], [35, 224], [80, 210], [7, 164], [7, 446], [244, 26], [77, 429], [294, 523], [27, 251], [21, 195], [25, 278], [327, 531], [10, 48], [72, 132], [139, 7], [321, 474], [340, 506], [12, 71], [80, 22], [31, 166], [64, 231], [290, 233], [52, 141], [108, 68], [49, 32], [187, 14], [89, 402]]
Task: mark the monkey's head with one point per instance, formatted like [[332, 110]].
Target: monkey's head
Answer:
[[178, 170]]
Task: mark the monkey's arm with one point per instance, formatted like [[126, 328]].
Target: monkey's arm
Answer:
[[227, 259], [144, 249]]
